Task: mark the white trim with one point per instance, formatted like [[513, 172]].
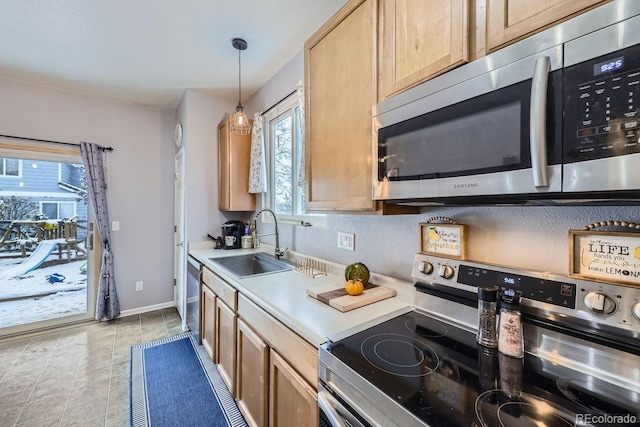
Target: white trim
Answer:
[[140, 310], [37, 194]]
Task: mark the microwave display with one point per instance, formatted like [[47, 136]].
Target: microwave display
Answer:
[[602, 107]]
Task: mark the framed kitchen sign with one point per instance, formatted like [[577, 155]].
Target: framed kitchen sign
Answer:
[[612, 257], [441, 236]]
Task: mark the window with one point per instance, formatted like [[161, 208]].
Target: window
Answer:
[[283, 140], [58, 210], [10, 167]]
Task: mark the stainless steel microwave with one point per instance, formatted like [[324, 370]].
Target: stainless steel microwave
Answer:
[[555, 116]]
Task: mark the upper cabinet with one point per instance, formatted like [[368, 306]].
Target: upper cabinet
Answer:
[[340, 94], [234, 152], [510, 20], [419, 40]]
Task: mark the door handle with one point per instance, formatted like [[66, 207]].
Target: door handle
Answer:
[[325, 401], [538, 122]]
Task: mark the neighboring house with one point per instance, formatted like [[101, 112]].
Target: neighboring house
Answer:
[[56, 188]]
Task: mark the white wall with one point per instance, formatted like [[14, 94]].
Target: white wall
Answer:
[[140, 191], [200, 113], [524, 237]]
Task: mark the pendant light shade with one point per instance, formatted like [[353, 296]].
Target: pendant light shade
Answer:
[[239, 121]]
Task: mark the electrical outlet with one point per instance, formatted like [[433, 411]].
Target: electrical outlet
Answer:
[[346, 241], [139, 286]]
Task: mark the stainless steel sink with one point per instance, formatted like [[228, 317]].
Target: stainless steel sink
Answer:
[[252, 264]]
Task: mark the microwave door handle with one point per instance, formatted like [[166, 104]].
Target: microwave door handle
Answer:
[[538, 121]]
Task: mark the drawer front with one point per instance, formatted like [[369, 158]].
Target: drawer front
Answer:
[[299, 353], [221, 288]]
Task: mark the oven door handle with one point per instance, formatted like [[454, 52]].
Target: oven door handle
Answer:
[[327, 404], [538, 122]]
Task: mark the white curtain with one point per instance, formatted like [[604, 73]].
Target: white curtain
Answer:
[[302, 176], [257, 167]]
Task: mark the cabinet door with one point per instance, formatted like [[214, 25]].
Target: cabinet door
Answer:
[[419, 40], [208, 314], [292, 402], [226, 343], [340, 94], [510, 20], [252, 384], [234, 152]]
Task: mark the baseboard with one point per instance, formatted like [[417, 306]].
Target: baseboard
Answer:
[[140, 310]]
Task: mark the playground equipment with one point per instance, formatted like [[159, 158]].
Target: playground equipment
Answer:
[[64, 232]]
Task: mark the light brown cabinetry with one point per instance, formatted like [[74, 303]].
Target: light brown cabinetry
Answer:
[[220, 303], [233, 170], [510, 20], [288, 365], [226, 344], [419, 40], [292, 402], [340, 94], [207, 334], [252, 382]]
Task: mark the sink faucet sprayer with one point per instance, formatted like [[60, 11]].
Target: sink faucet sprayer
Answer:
[[279, 254]]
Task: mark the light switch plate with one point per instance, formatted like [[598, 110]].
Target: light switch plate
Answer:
[[115, 225], [346, 241]]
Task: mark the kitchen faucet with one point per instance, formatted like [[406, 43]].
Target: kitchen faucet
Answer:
[[279, 254]]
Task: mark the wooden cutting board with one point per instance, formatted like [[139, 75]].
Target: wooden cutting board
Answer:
[[336, 296]]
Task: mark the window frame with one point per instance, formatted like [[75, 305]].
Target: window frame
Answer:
[[283, 109], [3, 171], [58, 202]]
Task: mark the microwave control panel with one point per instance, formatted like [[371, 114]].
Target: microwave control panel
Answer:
[[602, 106]]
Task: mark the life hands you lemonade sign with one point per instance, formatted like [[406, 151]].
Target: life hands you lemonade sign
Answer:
[[443, 240], [610, 257]]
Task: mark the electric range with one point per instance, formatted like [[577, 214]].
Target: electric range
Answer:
[[424, 367]]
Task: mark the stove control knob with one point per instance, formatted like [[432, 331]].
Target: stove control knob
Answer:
[[600, 303], [446, 271], [425, 267], [636, 311]]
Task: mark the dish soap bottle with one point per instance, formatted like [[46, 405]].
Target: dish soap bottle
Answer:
[[510, 336]]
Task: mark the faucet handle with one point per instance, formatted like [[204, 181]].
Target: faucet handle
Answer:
[[280, 253]]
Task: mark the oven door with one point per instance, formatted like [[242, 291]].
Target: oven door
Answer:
[[335, 413], [492, 133]]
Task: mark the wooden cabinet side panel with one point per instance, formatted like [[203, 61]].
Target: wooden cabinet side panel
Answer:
[[292, 402], [252, 376], [224, 189], [302, 355], [208, 301], [226, 344], [340, 94], [511, 20]]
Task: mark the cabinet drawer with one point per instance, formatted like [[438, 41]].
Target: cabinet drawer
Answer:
[[221, 288], [299, 353]]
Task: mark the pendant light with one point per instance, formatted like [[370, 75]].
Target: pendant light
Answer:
[[239, 122]]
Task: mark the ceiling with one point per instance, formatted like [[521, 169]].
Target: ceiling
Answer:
[[148, 52]]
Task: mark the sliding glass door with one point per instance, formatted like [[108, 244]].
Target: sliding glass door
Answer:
[[47, 259]]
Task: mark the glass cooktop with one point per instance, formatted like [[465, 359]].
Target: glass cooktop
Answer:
[[438, 373]]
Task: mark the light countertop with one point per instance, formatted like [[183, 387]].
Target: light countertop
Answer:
[[283, 295]]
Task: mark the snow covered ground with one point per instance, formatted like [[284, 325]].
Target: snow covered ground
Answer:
[[48, 300]]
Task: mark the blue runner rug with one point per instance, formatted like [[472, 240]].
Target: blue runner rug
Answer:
[[174, 383]]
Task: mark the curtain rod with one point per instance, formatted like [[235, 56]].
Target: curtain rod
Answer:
[[276, 104], [53, 142]]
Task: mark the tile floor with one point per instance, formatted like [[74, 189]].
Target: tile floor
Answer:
[[77, 376]]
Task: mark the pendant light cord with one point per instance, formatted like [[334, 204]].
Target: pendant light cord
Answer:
[[239, 79]]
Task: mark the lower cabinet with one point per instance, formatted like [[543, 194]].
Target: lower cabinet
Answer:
[[292, 402], [207, 334], [252, 380], [226, 345], [270, 370]]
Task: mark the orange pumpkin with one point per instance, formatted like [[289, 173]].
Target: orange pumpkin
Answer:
[[354, 287]]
